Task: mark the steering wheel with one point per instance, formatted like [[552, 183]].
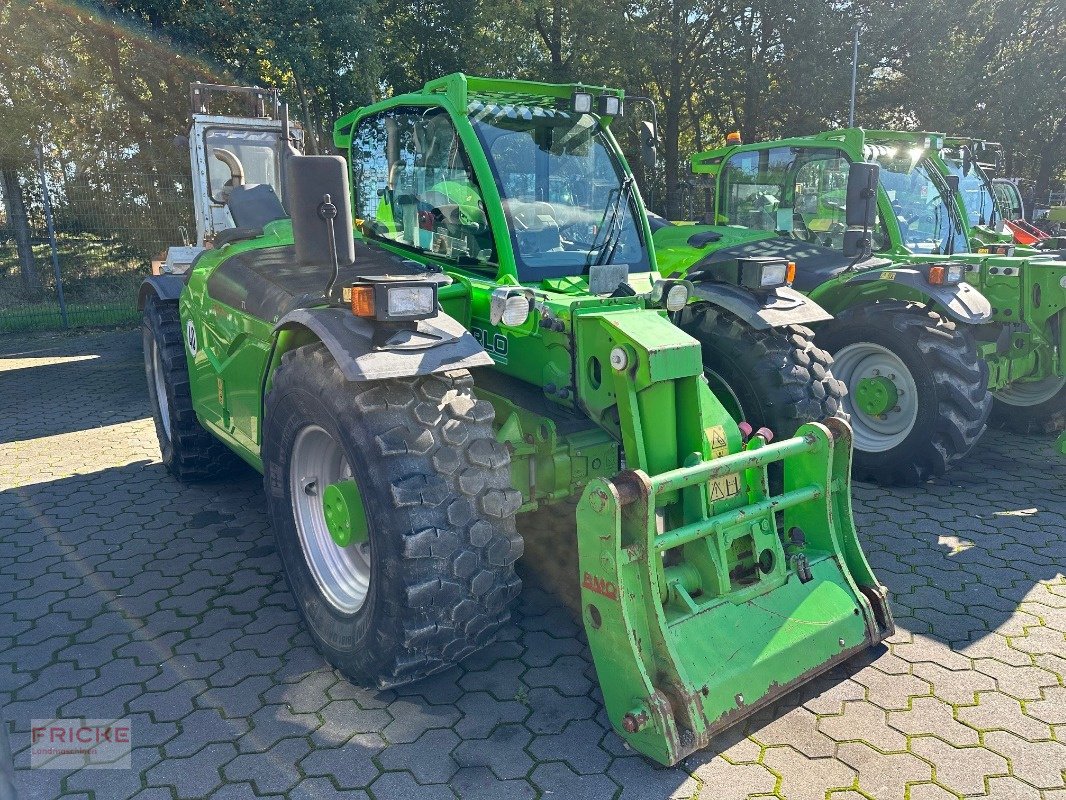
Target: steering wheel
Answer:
[[527, 214]]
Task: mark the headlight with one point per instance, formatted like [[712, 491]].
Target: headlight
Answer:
[[581, 102], [669, 294], [510, 306], [393, 301], [945, 274], [677, 297], [410, 301], [763, 273]]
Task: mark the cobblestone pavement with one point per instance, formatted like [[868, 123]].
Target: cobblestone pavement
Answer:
[[124, 593]]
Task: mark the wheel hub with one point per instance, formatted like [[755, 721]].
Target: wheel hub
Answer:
[[876, 395], [345, 516], [882, 395]]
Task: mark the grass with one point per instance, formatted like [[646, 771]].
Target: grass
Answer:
[[100, 280]]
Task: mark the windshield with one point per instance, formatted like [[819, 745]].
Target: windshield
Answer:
[[1009, 199], [564, 195], [974, 186], [926, 223], [799, 192]]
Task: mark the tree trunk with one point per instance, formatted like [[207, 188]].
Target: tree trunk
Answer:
[[18, 219], [1050, 155]]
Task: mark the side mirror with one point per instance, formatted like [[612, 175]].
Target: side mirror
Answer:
[[317, 199], [861, 208], [648, 143], [953, 183], [856, 243]]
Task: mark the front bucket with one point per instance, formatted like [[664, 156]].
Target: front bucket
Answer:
[[694, 627]]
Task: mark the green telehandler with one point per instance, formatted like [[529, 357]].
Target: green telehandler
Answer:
[[410, 383], [1024, 344], [994, 210], [903, 334]]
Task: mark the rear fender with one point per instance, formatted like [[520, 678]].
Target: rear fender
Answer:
[[961, 302], [439, 344], [165, 287], [783, 306]]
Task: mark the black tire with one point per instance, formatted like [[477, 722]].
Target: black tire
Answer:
[[952, 401], [777, 378], [1048, 416], [436, 486], [189, 452]]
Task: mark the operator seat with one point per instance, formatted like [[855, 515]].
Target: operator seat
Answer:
[[254, 205]]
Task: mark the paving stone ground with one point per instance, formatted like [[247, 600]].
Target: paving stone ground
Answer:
[[126, 594]]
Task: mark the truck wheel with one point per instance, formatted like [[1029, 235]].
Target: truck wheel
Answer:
[[1032, 407], [422, 572], [777, 378], [188, 451], [917, 392]]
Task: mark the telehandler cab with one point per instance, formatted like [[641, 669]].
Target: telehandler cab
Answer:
[[903, 334], [1024, 343], [490, 338]]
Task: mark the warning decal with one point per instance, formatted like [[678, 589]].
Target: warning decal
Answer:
[[728, 485]]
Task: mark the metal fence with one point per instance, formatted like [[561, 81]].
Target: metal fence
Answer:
[[76, 242]]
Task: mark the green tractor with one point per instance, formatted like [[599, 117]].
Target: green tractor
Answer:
[[488, 338], [1025, 343], [902, 335]]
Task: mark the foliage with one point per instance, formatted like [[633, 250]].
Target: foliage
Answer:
[[105, 85]]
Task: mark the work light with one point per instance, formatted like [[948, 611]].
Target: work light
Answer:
[[610, 105], [581, 102]]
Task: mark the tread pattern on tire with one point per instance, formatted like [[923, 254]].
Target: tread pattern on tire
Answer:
[[960, 377], [791, 375], [192, 454], [450, 480], [1048, 417]]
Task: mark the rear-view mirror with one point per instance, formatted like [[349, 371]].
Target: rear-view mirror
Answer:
[[648, 144], [861, 209], [316, 194], [856, 243], [953, 183]]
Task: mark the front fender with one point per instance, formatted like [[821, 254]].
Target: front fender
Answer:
[[962, 302], [437, 345], [783, 306]]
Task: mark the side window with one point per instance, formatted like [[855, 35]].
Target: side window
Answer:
[[413, 184], [256, 154], [821, 189], [753, 188]]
